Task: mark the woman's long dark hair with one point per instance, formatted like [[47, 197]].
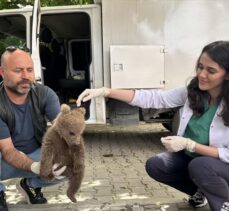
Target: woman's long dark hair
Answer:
[[219, 52]]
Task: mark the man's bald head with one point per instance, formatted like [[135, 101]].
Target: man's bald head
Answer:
[[8, 56], [17, 70]]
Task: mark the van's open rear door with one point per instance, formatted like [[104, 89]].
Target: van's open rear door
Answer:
[[36, 17]]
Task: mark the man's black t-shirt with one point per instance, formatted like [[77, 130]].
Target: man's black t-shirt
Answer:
[[23, 137]]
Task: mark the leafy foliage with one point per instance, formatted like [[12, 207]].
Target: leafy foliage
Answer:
[[6, 40], [10, 4], [9, 40]]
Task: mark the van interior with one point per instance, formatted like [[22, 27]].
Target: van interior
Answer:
[[65, 51]]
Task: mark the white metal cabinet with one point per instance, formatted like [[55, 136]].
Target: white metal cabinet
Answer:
[[137, 66]]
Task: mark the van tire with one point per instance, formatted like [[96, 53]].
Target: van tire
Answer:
[[175, 122]]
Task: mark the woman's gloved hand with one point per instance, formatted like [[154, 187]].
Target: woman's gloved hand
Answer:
[[178, 143], [88, 94]]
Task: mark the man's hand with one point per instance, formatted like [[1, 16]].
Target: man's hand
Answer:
[[35, 168], [88, 94], [177, 143]]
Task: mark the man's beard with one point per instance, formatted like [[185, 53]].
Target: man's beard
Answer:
[[16, 89]]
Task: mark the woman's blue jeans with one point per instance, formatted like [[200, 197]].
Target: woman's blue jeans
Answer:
[[8, 172], [207, 174]]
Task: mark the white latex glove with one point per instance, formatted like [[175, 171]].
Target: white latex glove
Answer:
[[88, 94], [178, 143], [35, 168], [57, 173]]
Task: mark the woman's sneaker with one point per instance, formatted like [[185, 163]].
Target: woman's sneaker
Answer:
[[197, 200], [32, 195], [225, 206]]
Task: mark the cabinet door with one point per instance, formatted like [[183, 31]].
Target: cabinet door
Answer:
[[137, 66]]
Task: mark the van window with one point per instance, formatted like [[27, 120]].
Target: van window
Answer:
[[81, 55], [12, 31]]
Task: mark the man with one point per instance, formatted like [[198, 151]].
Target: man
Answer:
[[24, 108]]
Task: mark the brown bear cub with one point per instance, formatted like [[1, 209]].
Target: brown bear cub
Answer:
[[63, 144]]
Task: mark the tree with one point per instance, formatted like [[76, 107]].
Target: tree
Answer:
[[10, 4]]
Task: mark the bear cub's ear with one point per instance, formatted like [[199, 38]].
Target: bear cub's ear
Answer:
[[65, 108], [83, 110]]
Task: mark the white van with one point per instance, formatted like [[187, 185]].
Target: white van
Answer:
[[66, 45], [120, 44]]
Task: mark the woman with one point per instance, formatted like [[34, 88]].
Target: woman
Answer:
[[197, 161]]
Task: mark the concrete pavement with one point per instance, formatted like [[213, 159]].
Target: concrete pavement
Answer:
[[115, 178]]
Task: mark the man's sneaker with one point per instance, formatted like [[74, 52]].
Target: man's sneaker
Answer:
[[197, 200], [32, 195], [3, 205], [225, 206]]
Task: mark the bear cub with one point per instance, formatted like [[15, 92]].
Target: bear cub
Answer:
[[63, 144]]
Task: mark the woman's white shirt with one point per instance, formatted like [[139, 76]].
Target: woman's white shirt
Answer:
[[153, 98]]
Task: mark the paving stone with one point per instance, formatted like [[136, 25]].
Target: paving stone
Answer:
[[115, 177]]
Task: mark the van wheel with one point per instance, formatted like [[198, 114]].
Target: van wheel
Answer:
[[175, 122], [167, 116], [167, 126]]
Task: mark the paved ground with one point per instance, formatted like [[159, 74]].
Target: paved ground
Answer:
[[115, 178]]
